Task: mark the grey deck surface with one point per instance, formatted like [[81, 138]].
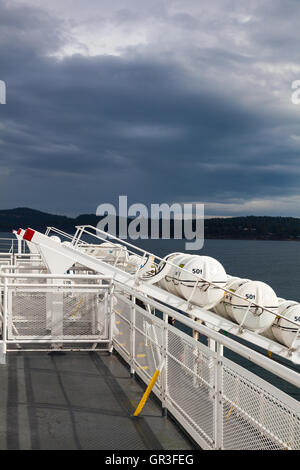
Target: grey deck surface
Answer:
[[78, 401]]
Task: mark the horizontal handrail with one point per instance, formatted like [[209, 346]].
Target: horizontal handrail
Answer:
[[57, 276], [285, 373]]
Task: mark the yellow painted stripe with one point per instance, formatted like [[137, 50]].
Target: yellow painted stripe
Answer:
[[141, 355], [77, 307], [147, 393], [230, 411], [118, 322], [143, 367]]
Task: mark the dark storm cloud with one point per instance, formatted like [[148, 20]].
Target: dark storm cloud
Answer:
[[80, 130]]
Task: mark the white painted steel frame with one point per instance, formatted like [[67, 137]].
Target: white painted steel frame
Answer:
[[7, 287], [215, 321], [157, 298]]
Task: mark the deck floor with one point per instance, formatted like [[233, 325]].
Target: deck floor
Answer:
[[78, 401]]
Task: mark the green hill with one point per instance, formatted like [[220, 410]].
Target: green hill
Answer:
[[248, 228]]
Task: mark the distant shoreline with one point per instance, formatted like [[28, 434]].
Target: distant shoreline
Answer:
[[265, 228], [11, 235], [257, 239]]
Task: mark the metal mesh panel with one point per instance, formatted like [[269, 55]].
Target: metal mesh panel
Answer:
[[148, 342], [253, 418], [147, 352], [28, 315], [121, 307], [122, 327], [80, 314], [56, 314], [190, 376], [122, 333], [143, 341]]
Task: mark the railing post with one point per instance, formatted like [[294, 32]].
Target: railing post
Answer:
[[111, 314], [218, 411], [132, 336], [19, 246], [55, 302], [4, 322], [106, 314], [164, 372]]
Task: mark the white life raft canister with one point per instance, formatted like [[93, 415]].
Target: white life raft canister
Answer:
[[171, 280], [282, 329], [223, 307], [268, 333], [204, 270], [164, 267], [257, 318]]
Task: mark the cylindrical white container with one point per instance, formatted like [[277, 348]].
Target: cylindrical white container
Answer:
[[112, 252], [232, 284], [102, 251], [268, 333], [257, 318], [208, 269], [181, 265], [171, 280], [170, 257], [55, 238], [282, 329]]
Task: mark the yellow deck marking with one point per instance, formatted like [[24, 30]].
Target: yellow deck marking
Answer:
[[77, 307], [230, 411]]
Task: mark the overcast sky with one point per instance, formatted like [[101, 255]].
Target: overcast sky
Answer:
[[164, 101]]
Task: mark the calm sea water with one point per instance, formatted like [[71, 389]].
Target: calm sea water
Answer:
[[275, 262]]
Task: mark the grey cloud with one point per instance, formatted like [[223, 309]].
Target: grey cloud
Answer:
[[81, 130]]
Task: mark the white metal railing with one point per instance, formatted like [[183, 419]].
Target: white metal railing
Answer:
[[45, 309], [6, 259], [132, 249], [12, 245], [291, 352], [219, 403], [102, 236]]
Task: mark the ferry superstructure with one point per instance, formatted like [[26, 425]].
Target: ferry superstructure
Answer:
[[62, 293]]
